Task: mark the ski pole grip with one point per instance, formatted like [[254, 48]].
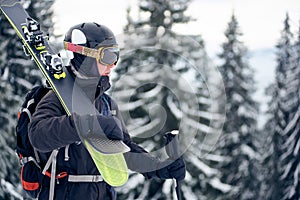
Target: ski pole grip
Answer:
[[172, 145]]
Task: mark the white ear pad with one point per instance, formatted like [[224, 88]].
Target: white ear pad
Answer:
[[69, 55], [78, 37], [66, 56]]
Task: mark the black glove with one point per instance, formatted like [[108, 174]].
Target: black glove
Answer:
[[174, 169], [99, 126]]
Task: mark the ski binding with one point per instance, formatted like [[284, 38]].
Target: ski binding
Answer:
[[53, 64], [35, 37]]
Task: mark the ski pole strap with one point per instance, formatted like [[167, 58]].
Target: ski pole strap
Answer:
[[85, 178]]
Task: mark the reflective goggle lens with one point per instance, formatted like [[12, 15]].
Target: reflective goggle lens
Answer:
[[108, 55]]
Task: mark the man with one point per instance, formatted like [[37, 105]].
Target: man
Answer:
[[95, 53]]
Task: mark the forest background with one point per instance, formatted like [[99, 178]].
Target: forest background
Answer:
[[239, 130]]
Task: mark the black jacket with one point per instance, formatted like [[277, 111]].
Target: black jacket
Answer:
[[51, 128]]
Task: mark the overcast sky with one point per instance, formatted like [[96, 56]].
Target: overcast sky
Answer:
[[260, 21]]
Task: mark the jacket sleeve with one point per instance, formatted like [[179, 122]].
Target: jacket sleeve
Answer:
[[138, 159], [50, 127]]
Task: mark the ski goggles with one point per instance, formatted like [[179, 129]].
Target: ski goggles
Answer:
[[104, 55]]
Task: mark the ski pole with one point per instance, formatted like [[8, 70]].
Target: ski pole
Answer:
[[172, 149]]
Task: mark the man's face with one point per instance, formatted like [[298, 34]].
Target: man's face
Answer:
[[104, 70]]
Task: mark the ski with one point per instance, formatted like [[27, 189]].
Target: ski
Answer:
[[112, 167]]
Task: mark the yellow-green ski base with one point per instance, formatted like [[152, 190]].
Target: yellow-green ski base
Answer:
[[112, 167]]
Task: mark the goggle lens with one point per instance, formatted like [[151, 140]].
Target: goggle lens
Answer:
[[109, 55]]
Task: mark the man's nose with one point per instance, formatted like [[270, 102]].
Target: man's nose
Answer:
[[112, 65]]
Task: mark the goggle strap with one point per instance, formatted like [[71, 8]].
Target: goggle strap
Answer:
[[81, 50]]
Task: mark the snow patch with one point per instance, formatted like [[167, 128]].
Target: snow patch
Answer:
[[217, 184], [208, 171], [11, 189], [248, 151]]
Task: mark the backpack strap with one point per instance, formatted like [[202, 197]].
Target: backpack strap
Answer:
[[29, 103], [67, 153], [51, 161], [25, 160], [85, 178], [26, 109], [53, 173], [71, 178], [36, 154]]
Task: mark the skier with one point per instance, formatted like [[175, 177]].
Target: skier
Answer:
[[51, 128]]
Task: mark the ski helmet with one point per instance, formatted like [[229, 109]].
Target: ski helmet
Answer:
[[91, 35]]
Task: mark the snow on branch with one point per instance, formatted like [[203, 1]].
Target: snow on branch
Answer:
[[10, 189], [197, 125], [208, 171], [292, 123], [217, 184], [146, 128], [152, 93], [173, 108], [131, 105]]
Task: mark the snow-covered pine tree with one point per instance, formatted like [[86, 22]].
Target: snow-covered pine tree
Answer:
[[162, 84], [7, 101], [239, 138], [271, 187], [18, 74], [266, 149], [274, 186], [291, 145]]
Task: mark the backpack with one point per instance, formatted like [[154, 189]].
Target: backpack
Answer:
[[31, 172]]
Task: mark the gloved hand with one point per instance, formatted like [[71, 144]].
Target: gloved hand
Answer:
[[175, 169], [99, 126]]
